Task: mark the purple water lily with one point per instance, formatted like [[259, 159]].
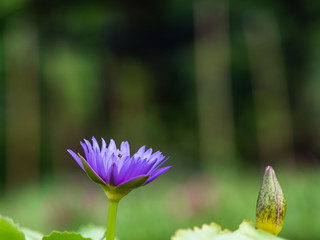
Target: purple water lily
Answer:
[[117, 172], [114, 168]]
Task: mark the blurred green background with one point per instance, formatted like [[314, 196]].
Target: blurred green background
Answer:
[[222, 87]]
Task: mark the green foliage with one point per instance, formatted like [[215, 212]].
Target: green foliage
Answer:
[[9, 230], [93, 232], [31, 234], [65, 236], [213, 231], [224, 199]]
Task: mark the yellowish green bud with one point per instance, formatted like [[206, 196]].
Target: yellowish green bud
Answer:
[[271, 204]]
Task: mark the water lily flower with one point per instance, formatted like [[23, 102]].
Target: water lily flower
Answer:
[[271, 204], [117, 172]]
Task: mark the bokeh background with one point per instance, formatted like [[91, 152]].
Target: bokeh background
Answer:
[[224, 88]]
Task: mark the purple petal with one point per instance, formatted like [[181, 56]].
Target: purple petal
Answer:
[[125, 148], [157, 173], [99, 163], [108, 174], [95, 144], [114, 175], [140, 152], [156, 155], [85, 149], [134, 168], [147, 154], [157, 166], [124, 168], [147, 169], [112, 146], [88, 145], [103, 147], [90, 158], [76, 157]]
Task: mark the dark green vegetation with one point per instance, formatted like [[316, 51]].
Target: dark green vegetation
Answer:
[[212, 84], [208, 82]]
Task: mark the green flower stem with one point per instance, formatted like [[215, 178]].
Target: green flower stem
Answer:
[[112, 215]]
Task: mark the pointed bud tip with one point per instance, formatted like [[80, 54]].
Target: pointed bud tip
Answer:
[[269, 168]]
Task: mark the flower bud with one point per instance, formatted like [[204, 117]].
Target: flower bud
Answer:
[[271, 204]]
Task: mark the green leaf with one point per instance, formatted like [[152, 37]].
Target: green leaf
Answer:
[[94, 232], [213, 231], [31, 235], [65, 236], [9, 230]]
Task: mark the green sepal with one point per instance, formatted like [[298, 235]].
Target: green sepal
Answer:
[[65, 236], [134, 183], [9, 230], [91, 173], [114, 193], [118, 192]]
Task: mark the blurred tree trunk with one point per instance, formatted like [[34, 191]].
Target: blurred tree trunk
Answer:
[[71, 77], [22, 102], [130, 81], [45, 164], [2, 117], [273, 115], [212, 51]]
